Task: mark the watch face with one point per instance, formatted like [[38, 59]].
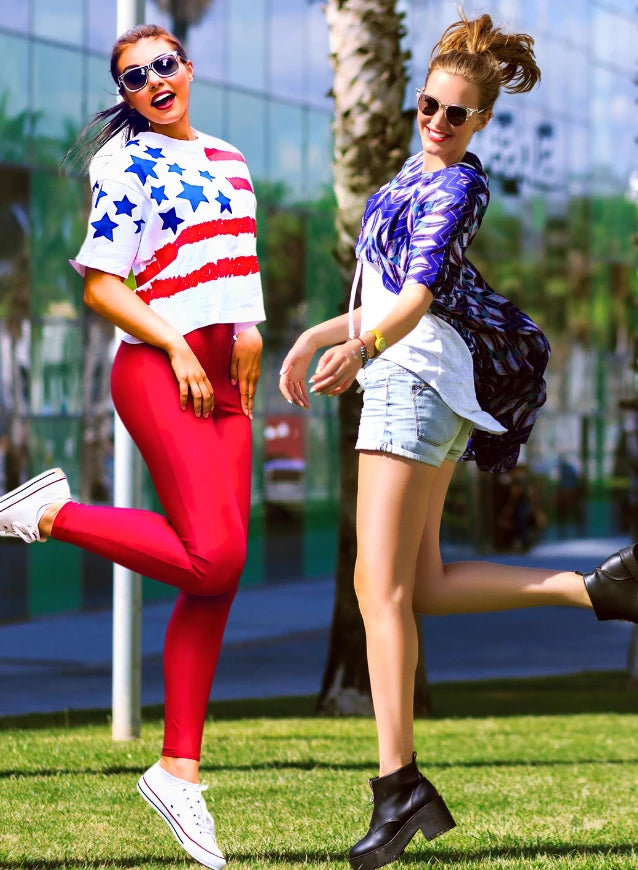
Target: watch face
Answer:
[[381, 344]]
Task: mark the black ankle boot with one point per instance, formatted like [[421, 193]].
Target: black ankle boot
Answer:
[[613, 586], [404, 801]]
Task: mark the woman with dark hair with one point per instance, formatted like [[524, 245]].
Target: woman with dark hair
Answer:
[[450, 370], [176, 207]]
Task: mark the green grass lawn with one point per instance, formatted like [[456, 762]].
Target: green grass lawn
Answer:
[[538, 774]]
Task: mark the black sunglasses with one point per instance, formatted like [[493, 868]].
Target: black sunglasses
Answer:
[[456, 115], [165, 65]]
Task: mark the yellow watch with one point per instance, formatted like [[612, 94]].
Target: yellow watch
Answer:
[[380, 342]]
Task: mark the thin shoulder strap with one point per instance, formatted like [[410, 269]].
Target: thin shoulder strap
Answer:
[[353, 293]]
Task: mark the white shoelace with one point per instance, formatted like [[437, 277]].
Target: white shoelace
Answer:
[[203, 818], [29, 534]]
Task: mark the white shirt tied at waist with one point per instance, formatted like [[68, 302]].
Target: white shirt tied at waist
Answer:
[[433, 350]]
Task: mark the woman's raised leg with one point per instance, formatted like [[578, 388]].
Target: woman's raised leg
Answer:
[[478, 587], [199, 546]]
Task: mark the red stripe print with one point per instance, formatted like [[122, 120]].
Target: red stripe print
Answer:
[[241, 184], [197, 233], [218, 154], [228, 267]]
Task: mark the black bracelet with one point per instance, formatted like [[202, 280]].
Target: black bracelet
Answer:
[[363, 350]]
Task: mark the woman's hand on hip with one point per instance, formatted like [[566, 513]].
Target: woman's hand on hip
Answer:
[[192, 378], [245, 366], [292, 375], [337, 368]]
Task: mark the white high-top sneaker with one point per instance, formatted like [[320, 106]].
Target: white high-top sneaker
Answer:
[[21, 509], [181, 805]]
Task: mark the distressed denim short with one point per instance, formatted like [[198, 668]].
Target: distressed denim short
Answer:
[[405, 416]]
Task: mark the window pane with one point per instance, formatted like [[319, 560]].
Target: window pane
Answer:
[[319, 154], [15, 234], [613, 141], [207, 42], [56, 368], [58, 78], [57, 441], [100, 87], [58, 213], [318, 79], [247, 130], [14, 99], [206, 104], [286, 149], [15, 16], [247, 43], [62, 20], [287, 46], [614, 39], [157, 16], [101, 25]]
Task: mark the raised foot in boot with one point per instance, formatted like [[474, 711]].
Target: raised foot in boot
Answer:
[[613, 586], [404, 802]]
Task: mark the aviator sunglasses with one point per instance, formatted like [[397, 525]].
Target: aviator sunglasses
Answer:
[[456, 115], [165, 65]]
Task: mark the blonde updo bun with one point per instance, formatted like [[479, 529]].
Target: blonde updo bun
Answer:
[[486, 56]]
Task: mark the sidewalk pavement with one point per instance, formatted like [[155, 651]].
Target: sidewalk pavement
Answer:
[[277, 639]]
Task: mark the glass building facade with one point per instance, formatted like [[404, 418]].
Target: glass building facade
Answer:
[[559, 240]]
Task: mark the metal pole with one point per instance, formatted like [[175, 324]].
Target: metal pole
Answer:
[[127, 586]]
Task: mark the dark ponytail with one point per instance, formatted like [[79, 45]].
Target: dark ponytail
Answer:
[[120, 118]]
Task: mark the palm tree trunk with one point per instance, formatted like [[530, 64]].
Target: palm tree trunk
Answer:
[[372, 135]]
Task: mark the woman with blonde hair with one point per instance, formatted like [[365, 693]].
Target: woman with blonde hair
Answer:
[[450, 369]]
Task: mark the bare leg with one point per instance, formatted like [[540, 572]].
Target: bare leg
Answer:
[[478, 587], [46, 520], [391, 513], [183, 768]]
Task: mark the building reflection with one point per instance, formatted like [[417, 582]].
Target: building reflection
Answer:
[[558, 239]]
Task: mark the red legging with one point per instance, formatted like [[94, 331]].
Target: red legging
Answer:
[[201, 472]]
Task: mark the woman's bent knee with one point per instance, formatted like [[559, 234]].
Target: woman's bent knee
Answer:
[[218, 573]]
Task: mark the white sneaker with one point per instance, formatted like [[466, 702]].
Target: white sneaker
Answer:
[[21, 509], [181, 805]]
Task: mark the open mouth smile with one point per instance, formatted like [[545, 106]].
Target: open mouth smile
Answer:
[[163, 100]]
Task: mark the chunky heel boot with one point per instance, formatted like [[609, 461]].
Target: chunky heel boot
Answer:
[[404, 802], [613, 586]]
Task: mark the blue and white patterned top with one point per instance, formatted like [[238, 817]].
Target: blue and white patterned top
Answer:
[[416, 229]]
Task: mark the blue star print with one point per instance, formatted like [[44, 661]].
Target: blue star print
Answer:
[[124, 206], [206, 174], [142, 168], [139, 224], [155, 153], [157, 193], [104, 227], [194, 193], [224, 202], [170, 220], [99, 196], [132, 142], [175, 167]]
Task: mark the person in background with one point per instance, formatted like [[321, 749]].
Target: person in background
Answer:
[[450, 369], [176, 206]]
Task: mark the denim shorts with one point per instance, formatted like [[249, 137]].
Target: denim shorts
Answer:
[[404, 415]]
